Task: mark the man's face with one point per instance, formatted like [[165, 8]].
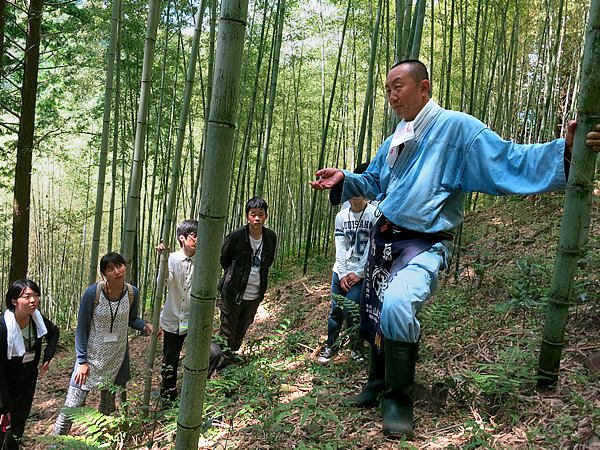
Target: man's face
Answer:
[[406, 96], [256, 218], [188, 243], [357, 203]]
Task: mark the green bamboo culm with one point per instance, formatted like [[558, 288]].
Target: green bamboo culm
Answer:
[[265, 152], [168, 219], [108, 94], [135, 181], [211, 217], [577, 207]]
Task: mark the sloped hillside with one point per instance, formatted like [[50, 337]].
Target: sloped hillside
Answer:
[[478, 354]]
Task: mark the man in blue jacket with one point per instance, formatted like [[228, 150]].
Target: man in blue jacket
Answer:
[[420, 176]]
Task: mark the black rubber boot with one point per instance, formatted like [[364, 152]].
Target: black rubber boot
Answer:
[[375, 384], [107, 402], [397, 405]]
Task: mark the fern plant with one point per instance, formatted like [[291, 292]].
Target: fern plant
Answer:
[[101, 431]]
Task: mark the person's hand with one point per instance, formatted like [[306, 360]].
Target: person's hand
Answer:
[[82, 374], [148, 327], [160, 333], [349, 281], [5, 420], [161, 247], [44, 368], [329, 178], [593, 139]]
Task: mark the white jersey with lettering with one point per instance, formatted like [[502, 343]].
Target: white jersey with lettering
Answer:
[[352, 232]]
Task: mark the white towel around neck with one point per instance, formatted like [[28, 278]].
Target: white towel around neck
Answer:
[[405, 131], [16, 344]]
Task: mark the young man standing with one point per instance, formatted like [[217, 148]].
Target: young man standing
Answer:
[[175, 314], [352, 230], [246, 256]]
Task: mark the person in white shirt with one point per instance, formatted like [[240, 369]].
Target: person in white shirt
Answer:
[[352, 230], [175, 314]]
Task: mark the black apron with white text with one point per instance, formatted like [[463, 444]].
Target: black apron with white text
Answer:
[[391, 249]]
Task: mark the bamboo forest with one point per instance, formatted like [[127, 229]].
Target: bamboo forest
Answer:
[[119, 120]]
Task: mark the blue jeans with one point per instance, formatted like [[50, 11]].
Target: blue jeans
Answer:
[[346, 311]]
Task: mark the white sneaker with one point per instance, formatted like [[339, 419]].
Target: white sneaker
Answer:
[[356, 356], [326, 356]]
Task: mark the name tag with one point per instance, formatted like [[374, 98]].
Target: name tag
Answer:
[[255, 270], [110, 337], [28, 357]]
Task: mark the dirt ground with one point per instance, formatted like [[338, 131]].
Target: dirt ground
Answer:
[[504, 233]]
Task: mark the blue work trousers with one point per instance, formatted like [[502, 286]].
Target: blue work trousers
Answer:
[[343, 311]]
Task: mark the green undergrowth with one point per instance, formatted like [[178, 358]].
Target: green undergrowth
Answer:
[[480, 343]]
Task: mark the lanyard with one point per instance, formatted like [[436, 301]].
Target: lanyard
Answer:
[[352, 212], [255, 254], [113, 316], [29, 340]]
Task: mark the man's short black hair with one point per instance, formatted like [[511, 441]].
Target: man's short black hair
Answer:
[[16, 290], [113, 257], [256, 202], [416, 69], [361, 168], [186, 228]]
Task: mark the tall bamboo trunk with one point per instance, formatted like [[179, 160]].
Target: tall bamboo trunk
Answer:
[[197, 189], [212, 215], [108, 93], [369, 90], [324, 137], [577, 208], [168, 219], [420, 18], [263, 166], [135, 181], [151, 202], [2, 26], [115, 145]]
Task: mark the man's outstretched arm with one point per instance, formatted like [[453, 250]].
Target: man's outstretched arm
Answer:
[[328, 178]]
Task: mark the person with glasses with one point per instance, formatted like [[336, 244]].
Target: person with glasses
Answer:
[[175, 314], [21, 331]]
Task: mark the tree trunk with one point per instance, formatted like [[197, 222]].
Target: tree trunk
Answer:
[[115, 145], [168, 219], [135, 181], [212, 215], [324, 138], [263, 166], [20, 232], [108, 93], [576, 216], [369, 90], [2, 24]]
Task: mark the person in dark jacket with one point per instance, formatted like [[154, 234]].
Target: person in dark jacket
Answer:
[[246, 256], [21, 330]]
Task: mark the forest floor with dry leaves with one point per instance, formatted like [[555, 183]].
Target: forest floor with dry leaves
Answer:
[[476, 385]]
